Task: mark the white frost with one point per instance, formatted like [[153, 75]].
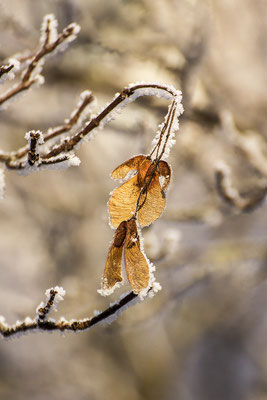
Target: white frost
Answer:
[[75, 31], [35, 135], [109, 291], [171, 125], [160, 91], [58, 297], [11, 74], [152, 280], [60, 293], [39, 80], [53, 163], [49, 29], [2, 184], [28, 321], [41, 305], [119, 312], [3, 322]]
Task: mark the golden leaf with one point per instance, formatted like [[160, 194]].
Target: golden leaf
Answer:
[[122, 202], [122, 170], [164, 171], [136, 265], [112, 273], [154, 203]]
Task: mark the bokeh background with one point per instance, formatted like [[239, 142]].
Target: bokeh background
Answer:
[[203, 337]]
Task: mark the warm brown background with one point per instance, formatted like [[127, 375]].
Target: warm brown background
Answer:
[[204, 337]]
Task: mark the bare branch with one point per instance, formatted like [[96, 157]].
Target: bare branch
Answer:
[[75, 118], [43, 324], [63, 151], [61, 161], [86, 98], [128, 94], [31, 75]]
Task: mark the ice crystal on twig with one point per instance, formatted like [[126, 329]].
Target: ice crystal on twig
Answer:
[[35, 138], [49, 32], [53, 296], [50, 42]]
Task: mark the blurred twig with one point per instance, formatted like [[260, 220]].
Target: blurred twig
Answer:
[[49, 43], [231, 195]]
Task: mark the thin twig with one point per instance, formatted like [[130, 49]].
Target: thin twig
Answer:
[[127, 92], [27, 79], [43, 311], [53, 132], [4, 69], [69, 144], [43, 324]]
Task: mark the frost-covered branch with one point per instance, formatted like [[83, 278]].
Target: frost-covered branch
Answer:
[[35, 138], [5, 69], [64, 150], [29, 158], [53, 296], [50, 41], [52, 149], [76, 118], [127, 95], [42, 323]]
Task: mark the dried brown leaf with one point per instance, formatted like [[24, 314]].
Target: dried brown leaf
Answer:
[[112, 273], [136, 265], [132, 164], [122, 203]]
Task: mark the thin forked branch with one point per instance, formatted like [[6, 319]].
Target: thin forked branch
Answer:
[[63, 151], [42, 323], [127, 95], [50, 41], [86, 98]]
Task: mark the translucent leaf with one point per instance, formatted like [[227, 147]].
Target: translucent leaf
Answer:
[[122, 202], [136, 265], [122, 170], [154, 203], [112, 273], [143, 171], [165, 172]]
